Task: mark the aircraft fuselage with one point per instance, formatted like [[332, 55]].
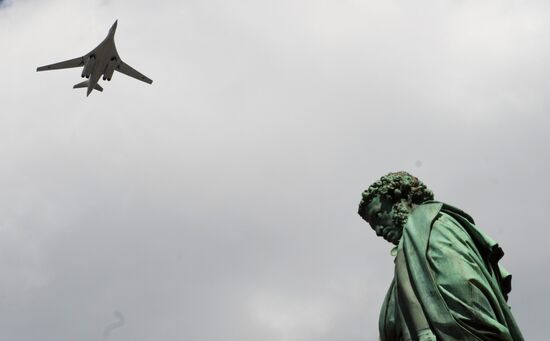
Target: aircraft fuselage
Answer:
[[101, 61]]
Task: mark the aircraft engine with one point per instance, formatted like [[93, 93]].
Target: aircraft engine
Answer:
[[109, 70], [87, 71]]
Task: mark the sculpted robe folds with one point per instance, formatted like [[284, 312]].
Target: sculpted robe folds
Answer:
[[448, 284]]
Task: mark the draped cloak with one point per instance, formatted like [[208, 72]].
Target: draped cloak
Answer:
[[448, 284]]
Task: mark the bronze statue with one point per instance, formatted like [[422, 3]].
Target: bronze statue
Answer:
[[448, 284]]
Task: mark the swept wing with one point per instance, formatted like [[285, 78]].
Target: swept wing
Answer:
[[76, 62], [126, 69]]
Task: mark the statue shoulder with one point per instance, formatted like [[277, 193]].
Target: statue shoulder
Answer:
[[457, 213], [448, 230]]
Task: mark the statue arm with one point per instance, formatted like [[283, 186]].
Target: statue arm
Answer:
[[412, 314]]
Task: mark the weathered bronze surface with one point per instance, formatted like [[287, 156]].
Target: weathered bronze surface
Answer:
[[448, 284]]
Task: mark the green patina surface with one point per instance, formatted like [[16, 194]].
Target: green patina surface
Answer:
[[448, 283]]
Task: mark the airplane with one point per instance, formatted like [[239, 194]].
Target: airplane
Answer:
[[103, 60]]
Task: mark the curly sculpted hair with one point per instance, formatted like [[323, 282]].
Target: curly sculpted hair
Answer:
[[397, 186]]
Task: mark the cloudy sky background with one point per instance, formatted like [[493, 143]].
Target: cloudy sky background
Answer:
[[220, 202]]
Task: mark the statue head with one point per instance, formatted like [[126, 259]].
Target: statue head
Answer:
[[387, 203]]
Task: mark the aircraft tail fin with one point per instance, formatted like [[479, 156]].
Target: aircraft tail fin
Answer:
[[85, 85]]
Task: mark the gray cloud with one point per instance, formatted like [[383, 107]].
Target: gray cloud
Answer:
[[114, 325], [220, 202]]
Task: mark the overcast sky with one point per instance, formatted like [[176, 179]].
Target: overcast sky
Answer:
[[219, 203]]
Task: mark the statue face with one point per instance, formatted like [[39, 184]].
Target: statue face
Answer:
[[380, 212]]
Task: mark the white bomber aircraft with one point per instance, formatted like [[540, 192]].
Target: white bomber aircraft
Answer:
[[103, 60]]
